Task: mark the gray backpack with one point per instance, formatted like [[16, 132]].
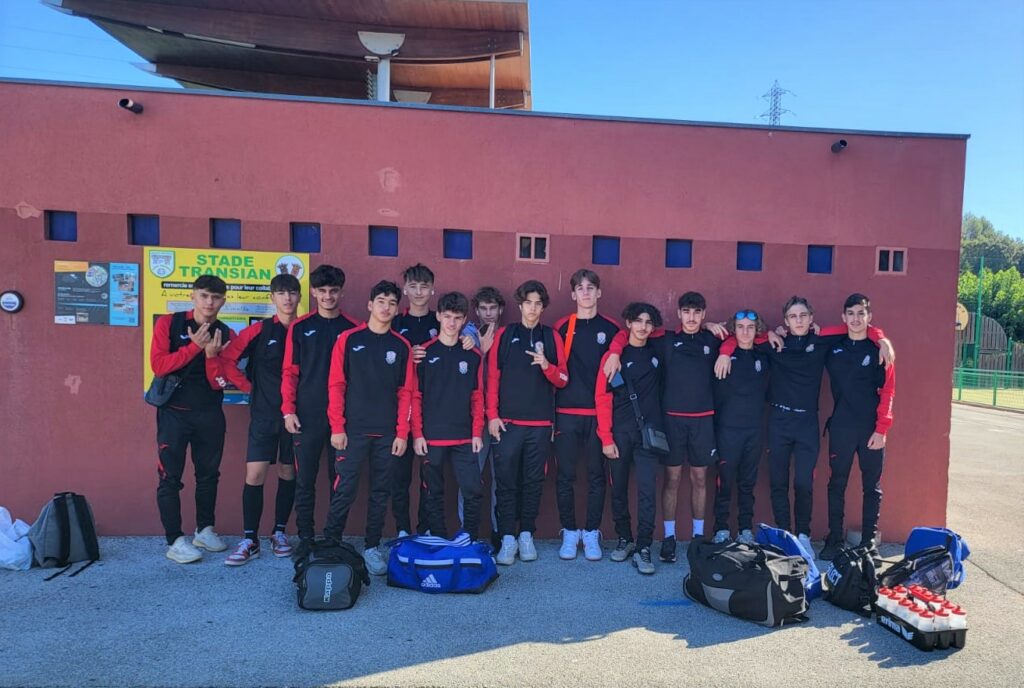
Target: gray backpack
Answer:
[[64, 533]]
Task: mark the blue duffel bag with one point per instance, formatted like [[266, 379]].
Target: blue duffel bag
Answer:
[[923, 537], [787, 542], [436, 565]]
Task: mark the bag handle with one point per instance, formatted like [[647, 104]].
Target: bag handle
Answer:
[[85, 524]]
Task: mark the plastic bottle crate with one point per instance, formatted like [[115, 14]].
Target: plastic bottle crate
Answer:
[[938, 640]]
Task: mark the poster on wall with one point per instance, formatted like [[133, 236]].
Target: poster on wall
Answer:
[[168, 275], [91, 293]]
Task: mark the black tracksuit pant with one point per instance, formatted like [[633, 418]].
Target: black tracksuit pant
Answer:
[[467, 476], [375, 451], [522, 447], [739, 453], [309, 448], [795, 434], [843, 442], [400, 500], [176, 431], [576, 438], [632, 453]]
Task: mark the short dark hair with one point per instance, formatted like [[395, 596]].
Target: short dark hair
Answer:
[[285, 283], [693, 299], [530, 286], [488, 295], [584, 274], [211, 283], [327, 276], [453, 302], [796, 301], [385, 288], [418, 273], [634, 310], [857, 300]]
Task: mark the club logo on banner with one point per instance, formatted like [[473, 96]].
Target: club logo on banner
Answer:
[[161, 263]]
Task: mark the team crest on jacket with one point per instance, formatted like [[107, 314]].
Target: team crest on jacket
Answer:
[[654, 361], [757, 366], [601, 337], [810, 348], [463, 367], [866, 361], [433, 332], [707, 350], [391, 357]]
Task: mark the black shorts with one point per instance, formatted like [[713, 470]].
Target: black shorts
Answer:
[[269, 441], [690, 439]]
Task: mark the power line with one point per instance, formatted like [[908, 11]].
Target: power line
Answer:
[[64, 52], [775, 109]]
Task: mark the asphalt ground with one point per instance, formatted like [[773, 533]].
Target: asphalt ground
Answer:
[[136, 619]]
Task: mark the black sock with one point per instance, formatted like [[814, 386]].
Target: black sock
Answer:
[[252, 509], [283, 505]]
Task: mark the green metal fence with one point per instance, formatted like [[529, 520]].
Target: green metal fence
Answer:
[[1003, 389]]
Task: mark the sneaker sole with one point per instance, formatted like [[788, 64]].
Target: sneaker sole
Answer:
[[180, 560], [532, 557], [599, 557], [200, 545], [617, 560], [570, 557], [282, 553], [645, 573], [241, 562]]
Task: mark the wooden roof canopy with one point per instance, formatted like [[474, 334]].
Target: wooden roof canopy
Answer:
[[313, 48]]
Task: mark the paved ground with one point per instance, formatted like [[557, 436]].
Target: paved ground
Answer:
[[135, 619]]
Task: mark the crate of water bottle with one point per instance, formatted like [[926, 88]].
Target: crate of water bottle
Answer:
[[924, 619]]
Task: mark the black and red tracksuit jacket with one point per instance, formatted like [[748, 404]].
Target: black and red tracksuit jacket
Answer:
[[371, 383], [448, 402], [172, 351], [862, 388], [519, 392], [644, 366], [263, 345], [307, 362], [417, 329], [591, 340], [740, 398]]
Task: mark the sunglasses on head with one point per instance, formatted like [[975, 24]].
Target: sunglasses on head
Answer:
[[746, 315]]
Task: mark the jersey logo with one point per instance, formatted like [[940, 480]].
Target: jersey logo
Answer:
[[757, 366], [433, 332], [654, 361], [629, 364], [601, 337], [810, 348], [403, 330], [837, 351], [183, 336], [311, 332], [563, 377], [435, 359], [707, 350], [391, 357], [359, 348], [463, 367], [866, 361], [677, 344], [514, 340], [272, 341]]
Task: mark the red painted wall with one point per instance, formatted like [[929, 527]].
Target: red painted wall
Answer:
[[71, 394]]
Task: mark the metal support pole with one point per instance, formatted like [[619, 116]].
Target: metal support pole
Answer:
[[490, 98], [977, 319], [384, 79]]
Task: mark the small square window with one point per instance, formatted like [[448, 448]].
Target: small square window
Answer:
[[532, 247], [891, 261], [819, 260], [605, 250], [678, 253], [144, 230], [384, 241], [458, 244], [305, 237], [61, 225], [225, 233], [748, 256]]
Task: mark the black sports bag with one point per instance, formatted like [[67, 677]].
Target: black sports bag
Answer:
[[850, 582], [330, 576]]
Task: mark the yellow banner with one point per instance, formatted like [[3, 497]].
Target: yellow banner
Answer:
[[170, 272]]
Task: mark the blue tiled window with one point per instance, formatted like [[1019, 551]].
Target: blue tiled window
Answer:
[[144, 230], [458, 244], [605, 250], [819, 260], [225, 233], [748, 256], [384, 241], [305, 237], [61, 225], [678, 253]]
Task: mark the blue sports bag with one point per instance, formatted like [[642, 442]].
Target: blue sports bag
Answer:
[[922, 538], [787, 542], [436, 565]]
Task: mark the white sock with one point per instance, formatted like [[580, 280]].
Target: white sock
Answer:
[[670, 529], [698, 527]]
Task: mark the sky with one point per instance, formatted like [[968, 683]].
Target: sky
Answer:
[[935, 66]]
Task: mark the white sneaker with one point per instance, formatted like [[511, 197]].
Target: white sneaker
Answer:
[[246, 551], [805, 540], [403, 533], [570, 544], [721, 537], [745, 537], [592, 545], [527, 550], [209, 540], [375, 564], [507, 553], [183, 552]]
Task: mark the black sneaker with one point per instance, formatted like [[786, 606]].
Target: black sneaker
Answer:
[[622, 550], [303, 549], [668, 550], [829, 551]]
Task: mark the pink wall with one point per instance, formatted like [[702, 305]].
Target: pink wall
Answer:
[[73, 392]]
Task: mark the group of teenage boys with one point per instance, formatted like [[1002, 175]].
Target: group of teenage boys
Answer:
[[466, 393]]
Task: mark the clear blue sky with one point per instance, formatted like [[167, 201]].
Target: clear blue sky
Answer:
[[897, 65]]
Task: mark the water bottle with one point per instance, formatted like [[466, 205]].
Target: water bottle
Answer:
[[882, 598], [926, 622], [941, 620], [958, 619], [903, 611]]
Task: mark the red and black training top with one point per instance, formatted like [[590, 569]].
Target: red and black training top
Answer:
[[263, 344], [448, 403], [615, 413], [307, 362], [417, 329], [591, 340], [371, 383], [862, 388], [172, 351], [518, 391], [741, 397]]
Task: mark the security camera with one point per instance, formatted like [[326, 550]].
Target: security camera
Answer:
[[839, 145], [130, 105]]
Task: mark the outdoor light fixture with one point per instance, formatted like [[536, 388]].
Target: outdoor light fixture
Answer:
[[839, 145], [130, 105]]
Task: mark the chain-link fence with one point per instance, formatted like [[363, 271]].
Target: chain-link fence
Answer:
[[1002, 389]]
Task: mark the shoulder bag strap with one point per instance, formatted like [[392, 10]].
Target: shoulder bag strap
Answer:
[[633, 400]]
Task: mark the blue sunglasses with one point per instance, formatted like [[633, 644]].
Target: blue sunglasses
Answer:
[[746, 315]]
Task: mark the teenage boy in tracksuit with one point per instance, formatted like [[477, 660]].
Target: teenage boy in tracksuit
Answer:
[[793, 429], [526, 364], [304, 373], [862, 392], [587, 336], [739, 427], [263, 344], [448, 417], [418, 325], [188, 344], [643, 370], [371, 386]]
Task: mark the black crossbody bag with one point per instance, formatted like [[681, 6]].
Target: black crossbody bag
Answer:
[[653, 440], [162, 388]]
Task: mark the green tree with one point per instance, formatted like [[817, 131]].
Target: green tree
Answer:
[[1002, 297], [978, 237]]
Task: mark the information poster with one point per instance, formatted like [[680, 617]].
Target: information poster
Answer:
[[170, 272], [90, 293]]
